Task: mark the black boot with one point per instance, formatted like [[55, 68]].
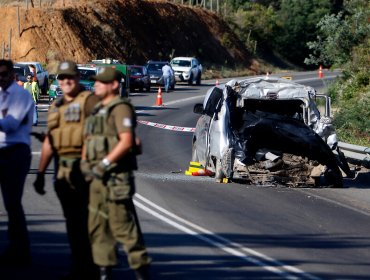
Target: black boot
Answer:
[[106, 273], [142, 273]]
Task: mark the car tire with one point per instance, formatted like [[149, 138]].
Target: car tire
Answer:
[[141, 89], [194, 155], [190, 81], [218, 170], [173, 87], [147, 88], [199, 79]]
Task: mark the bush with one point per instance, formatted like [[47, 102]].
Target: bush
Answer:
[[352, 118]]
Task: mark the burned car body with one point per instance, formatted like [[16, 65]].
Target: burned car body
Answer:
[[268, 131]]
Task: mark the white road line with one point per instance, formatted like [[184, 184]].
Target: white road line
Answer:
[[224, 244]]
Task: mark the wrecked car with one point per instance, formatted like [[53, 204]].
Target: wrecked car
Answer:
[[268, 131]]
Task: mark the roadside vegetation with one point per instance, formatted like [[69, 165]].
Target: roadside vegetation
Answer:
[[299, 34], [343, 41]]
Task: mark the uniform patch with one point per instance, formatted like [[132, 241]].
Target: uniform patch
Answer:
[[127, 122], [64, 66], [101, 70]]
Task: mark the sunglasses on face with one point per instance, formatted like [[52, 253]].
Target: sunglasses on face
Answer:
[[4, 74], [29, 78]]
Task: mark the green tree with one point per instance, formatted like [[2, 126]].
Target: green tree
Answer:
[[344, 41], [297, 20], [338, 34], [255, 22]]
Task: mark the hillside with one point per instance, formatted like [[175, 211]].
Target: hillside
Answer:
[[129, 30]]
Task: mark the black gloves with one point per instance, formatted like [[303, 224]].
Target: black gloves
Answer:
[[99, 170], [86, 170], [39, 183]]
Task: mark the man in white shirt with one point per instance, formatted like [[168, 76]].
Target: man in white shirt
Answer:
[[167, 73], [16, 112]]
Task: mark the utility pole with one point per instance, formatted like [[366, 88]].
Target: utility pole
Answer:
[[19, 22], [3, 50], [10, 44]]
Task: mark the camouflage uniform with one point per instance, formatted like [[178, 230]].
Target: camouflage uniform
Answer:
[[65, 125], [112, 215]]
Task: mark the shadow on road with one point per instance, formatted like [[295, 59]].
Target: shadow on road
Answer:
[[361, 181], [180, 256]]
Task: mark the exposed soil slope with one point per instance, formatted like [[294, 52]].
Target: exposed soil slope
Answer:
[[129, 30]]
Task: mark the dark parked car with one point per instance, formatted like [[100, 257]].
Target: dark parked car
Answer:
[[268, 131], [155, 73], [139, 78]]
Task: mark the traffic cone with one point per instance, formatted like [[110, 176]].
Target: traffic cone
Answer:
[[202, 172], [193, 167], [159, 101], [217, 82], [320, 72]]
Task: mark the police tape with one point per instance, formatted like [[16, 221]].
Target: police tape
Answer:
[[168, 127]]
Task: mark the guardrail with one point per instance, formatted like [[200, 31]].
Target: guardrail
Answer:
[[356, 154]]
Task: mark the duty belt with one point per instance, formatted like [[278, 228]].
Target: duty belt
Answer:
[[68, 162]]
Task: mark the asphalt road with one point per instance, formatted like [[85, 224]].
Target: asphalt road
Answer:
[[195, 228]]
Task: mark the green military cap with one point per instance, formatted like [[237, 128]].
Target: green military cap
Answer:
[[68, 68], [107, 75]]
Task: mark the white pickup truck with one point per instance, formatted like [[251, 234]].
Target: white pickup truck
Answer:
[[41, 74], [187, 69]]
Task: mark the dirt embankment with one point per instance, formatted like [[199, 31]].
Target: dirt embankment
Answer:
[[129, 30]]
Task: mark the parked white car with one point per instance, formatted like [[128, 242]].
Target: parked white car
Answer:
[[187, 69]]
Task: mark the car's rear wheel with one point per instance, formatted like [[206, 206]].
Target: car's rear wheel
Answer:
[[190, 81], [194, 155], [147, 88], [199, 79], [218, 170]]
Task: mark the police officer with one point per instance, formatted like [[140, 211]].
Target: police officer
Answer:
[[110, 161], [64, 141]]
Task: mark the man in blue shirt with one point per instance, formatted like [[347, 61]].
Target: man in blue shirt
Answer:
[[167, 73], [16, 112]]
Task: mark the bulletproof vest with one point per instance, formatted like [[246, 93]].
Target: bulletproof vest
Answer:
[[65, 124], [101, 137]]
